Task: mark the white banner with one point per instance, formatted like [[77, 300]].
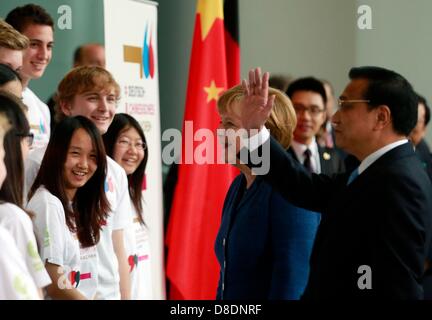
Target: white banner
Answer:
[[131, 56]]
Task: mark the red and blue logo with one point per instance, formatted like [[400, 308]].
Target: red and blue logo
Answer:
[[148, 55], [143, 56]]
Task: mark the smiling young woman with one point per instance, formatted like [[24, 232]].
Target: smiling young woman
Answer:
[[125, 142], [71, 206], [92, 92]]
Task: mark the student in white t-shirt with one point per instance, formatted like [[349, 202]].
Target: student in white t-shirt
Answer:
[[92, 92], [37, 25], [12, 216], [70, 205], [15, 280], [125, 142]]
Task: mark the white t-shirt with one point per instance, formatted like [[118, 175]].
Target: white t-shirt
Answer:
[[39, 118], [87, 280], [16, 282], [56, 243], [137, 245], [31, 168], [89, 261], [18, 223], [116, 188]]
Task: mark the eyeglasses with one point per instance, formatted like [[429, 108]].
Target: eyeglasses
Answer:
[[28, 136], [139, 145], [342, 102], [313, 110]]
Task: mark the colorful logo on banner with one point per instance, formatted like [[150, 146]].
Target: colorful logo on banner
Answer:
[[143, 56]]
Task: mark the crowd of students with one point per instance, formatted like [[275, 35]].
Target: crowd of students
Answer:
[[71, 207]]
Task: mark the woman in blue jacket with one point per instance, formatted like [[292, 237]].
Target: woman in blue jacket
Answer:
[[264, 243]]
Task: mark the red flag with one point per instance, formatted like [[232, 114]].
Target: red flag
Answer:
[[192, 268]]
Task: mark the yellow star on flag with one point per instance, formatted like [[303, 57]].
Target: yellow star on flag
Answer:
[[212, 92], [209, 11]]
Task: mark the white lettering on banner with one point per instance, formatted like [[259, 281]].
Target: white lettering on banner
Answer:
[[140, 108], [133, 91]]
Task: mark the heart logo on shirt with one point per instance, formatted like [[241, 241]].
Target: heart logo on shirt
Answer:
[[74, 278], [133, 261]]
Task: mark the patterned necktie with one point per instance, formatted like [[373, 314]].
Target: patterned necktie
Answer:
[[307, 160]]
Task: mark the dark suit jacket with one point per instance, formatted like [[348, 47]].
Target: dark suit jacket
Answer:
[[382, 220], [423, 152], [330, 160]]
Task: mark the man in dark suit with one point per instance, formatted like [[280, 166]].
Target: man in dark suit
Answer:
[[418, 133], [376, 222], [309, 100], [423, 152]]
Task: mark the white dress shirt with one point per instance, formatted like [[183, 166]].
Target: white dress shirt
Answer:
[[299, 150]]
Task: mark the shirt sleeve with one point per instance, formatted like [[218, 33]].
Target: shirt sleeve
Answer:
[[21, 229], [123, 211], [16, 282], [49, 229], [31, 167]]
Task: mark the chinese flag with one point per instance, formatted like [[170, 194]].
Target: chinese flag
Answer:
[[192, 268]]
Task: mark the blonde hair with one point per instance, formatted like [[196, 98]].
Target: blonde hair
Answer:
[[80, 80], [11, 38], [282, 120]]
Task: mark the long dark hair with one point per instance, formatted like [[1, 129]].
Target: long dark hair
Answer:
[[121, 123], [90, 206], [13, 186]]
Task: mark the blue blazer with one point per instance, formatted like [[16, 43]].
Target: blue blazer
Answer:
[[264, 244]]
